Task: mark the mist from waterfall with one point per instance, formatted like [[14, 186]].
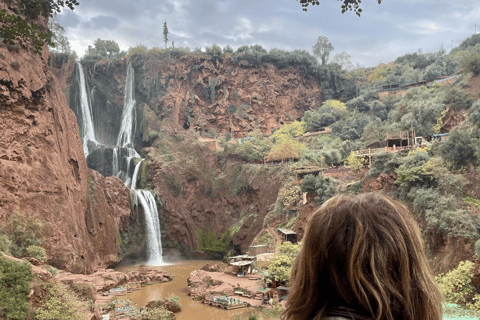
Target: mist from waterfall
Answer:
[[88, 129]]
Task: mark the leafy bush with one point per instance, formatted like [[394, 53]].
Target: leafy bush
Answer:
[[208, 240], [309, 157], [351, 127], [354, 162], [289, 131], [139, 49], [157, 314], [14, 289], [60, 304], [459, 149], [24, 232], [358, 104], [5, 243], [324, 187], [38, 253], [457, 99], [280, 267], [456, 286], [458, 223], [385, 163], [286, 149], [254, 149]]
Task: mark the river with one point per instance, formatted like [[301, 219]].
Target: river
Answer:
[[191, 310]]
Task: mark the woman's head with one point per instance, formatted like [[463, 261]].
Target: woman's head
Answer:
[[364, 252]]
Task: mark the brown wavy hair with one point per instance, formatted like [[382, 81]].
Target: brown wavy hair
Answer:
[[365, 253]]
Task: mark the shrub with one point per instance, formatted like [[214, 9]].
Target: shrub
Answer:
[[60, 304], [457, 99], [280, 266], [38, 253], [5, 243], [331, 157], [324, 187], [384, 163], [459, 149], [157, 314], [24, 232], [254, 149], [15, 65], [208, 240], [354, 162], [231, 108], [309, 157], [14, 289], [458, 223], [139, 49], [456, 285]]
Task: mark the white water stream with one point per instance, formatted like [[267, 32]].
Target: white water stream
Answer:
[[88, 129], [125, 142]]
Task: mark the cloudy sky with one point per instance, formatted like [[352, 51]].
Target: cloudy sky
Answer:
[[381, 34]]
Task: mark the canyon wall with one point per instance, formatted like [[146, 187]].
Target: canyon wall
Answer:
[[197, 195], [43, 171]]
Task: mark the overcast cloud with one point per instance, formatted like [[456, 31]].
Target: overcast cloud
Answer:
[[381, 34]]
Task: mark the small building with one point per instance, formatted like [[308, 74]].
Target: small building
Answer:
[[268, 294], [400, 139], [288, 235], [258, 249], [241, 265]]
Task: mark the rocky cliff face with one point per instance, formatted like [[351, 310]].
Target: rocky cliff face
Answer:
[[195, 91], [197, 195], [43, 170]]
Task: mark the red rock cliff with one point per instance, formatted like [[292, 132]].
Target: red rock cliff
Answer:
[[43, 170]]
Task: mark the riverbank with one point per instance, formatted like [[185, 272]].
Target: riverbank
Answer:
[[191, 309]]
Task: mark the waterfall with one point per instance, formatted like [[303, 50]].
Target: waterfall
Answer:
[[154, 240], [124, 151], [125, 136], [135, 174], [115, 162], [125, 141], [88, 130]]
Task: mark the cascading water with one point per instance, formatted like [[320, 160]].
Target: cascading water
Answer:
[[88, 129], [125, 138], [154, 237], [125, 152]]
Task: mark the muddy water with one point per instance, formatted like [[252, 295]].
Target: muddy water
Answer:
[[191, 310]]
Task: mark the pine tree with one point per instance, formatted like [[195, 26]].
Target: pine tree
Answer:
[[165, 34]]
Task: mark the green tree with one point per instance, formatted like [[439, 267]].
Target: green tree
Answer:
[[280, 266], [459, 150], [14, 27], [165, 34], [104, 48], [343, 59], [15, 280], [322, 49], [354, 162], [59, 40], [289, 131], [286, 149]]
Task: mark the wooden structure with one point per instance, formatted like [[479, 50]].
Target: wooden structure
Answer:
[[241, 265], [288, 235], [268, 294], [401, 139]]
